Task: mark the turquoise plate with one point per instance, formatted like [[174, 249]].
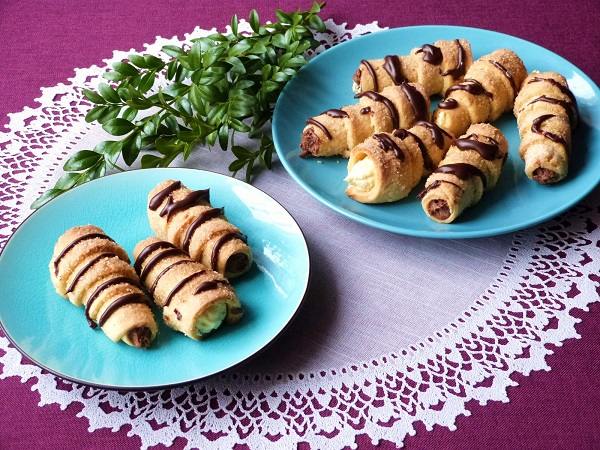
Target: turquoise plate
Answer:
[[516, 203], [53, 333]]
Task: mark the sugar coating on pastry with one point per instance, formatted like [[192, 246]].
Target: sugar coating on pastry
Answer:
[[195, 300], [91, 270]]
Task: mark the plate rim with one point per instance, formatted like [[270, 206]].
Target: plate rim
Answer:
[[155, 387], [432, 234]]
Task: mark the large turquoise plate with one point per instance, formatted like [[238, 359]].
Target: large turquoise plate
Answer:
[[54, 334], [516, 202]]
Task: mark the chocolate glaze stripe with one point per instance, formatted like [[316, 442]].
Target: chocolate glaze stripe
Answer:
[[391, 64], [180, 285], [482, 136], [156, 200], [403, 134], [156, 259], [460, 68], [506, 73], [202, 218], [417, 101], [87, 266], [486, 151], [101, 287], [146, 252], [76, 241], [569, 108], [431, 54], [435, 185], [437, 133], [376, 97], [449, 103], [164, 271], [371, 71], [536, 127], [336, 113], [463, 171], [127, 299], [210, 285], [222, 240], [471, 86], [387, 144], [319, 125], [365, 110], [189, 201], [564, 89]]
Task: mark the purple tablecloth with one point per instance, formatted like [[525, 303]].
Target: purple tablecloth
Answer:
[[41, 45]]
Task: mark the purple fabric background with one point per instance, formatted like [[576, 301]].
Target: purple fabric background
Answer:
[[43, 41]]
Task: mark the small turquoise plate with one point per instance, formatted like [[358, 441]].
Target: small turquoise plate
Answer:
[[515, 203], [53, 333]]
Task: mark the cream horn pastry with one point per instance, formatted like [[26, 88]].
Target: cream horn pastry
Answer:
[[186, 219], [387, 166], [89, 268], [336, 131], [546, 112], [488, 90], [435, 67], [472, 166], [194, 299]]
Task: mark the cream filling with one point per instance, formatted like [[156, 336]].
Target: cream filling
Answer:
[[362, 175], [355, 87], [212, 318]]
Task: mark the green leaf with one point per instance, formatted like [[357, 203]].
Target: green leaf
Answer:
[[124, 68], [168, 146], [95, 113], [118, 127], [150, 161], [137, 60], [234, 25], [283, 17], [111, 113], [147, 81], [172, 50], [152, 62], [131, 148], [316, 23], [111, 149], [108, 93], [129, 114], [93, 97], [240, 48], [254, 21], [223, 137], [66, 181], [83, 159], [237, 165], [46, 197], [113, 76], [238, 125]]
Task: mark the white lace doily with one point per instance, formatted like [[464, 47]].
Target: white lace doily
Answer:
[[542, 275]]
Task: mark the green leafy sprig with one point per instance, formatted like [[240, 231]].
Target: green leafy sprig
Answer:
[[218, 86]]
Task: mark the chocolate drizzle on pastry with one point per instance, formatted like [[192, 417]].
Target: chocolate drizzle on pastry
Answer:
[[146, 252], [448, 103], [393, 67], [460, 68], [336, 113], [569, 108], [87, 266], [320, 126], [437, 133], [157, 200], [434, 185], [376, 97], [223, 239], [210, 285], [388, 144], [101, 287], [536, 127], [202, 218], [506, 73], [403, 134], [416, 100], [180, 285], [164, 272], [365, 110], [486, 151], [431, 54], [463, 171], [189, 201], [76, 241], [371, 71], [156, 259], [471, 86], [564, 89], [127, 299]]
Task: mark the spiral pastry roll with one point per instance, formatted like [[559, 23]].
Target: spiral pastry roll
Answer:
[[546, 112], [90, 269], [194, 299], [488, 90], [435, 67], [336, 131], [186, 219], [472, 165], [387, 166]]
